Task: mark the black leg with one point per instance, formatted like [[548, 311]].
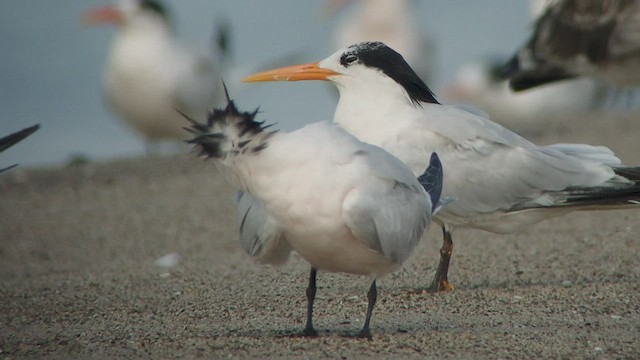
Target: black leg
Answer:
[[311, 295], [372, 296], [440, 281]]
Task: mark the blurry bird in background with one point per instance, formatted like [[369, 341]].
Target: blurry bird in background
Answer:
[[150, 74], [343, 205], [14, 138], [480, 84], [572, 38], [483, 84], [390, 22]]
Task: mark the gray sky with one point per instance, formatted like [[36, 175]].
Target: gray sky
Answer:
[[51, 67]]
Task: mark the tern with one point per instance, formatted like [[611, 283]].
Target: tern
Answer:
[[150, 73], [500, 181], [574, 38], [343, 205]]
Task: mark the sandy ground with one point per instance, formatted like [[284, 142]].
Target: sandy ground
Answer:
[[78, 280]]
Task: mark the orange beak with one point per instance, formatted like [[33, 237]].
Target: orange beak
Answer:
[[102, 15], [309, 71]]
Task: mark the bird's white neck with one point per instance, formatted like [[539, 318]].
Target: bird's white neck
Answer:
[[367, 109], [139, 42]]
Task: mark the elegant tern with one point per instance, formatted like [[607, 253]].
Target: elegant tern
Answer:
[[574, 38], [150, 73], [500, 181], [343, 205]]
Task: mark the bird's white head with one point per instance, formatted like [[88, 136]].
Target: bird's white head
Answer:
[[365, 70]]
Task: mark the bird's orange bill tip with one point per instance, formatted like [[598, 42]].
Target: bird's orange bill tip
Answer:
[[102, 15], [309, 71]]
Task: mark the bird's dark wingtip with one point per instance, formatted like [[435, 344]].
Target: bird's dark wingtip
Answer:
[[14, 138]]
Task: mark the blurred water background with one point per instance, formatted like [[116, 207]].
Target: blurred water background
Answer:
[[51, 67]]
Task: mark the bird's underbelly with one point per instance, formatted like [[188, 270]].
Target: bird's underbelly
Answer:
[[341, 252], [306, 202], [315, 229]]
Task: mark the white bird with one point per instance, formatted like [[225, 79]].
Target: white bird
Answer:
[[390, 22], [343, 205], [574, 38], [150, 74], [500, 181]]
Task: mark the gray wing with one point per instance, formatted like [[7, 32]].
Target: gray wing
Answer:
[[259, 235], [391, 213]]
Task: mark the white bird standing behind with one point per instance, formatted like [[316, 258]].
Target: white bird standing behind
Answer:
[[390, 22], [500, 181], [343, 205], [574, 38], [150, 74]]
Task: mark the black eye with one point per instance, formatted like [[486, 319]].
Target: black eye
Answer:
[[348, 59]]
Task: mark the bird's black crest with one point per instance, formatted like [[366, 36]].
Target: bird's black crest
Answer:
[[229, 131], [378, 55]]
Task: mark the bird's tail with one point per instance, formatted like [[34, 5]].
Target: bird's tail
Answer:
[[618, 195], [431, 181], [229, 132], [14, 138], [624, 195]]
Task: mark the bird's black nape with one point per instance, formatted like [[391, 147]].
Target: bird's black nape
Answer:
[[391, 63]]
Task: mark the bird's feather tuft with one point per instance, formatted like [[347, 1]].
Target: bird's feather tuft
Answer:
[[228, 131]]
